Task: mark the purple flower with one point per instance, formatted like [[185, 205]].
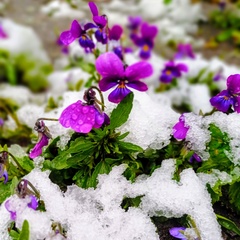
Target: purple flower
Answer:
[[3, 173], [195, 158], [184, 50], [115, 32], [180, 129], [83, 116], [172, 71], [43, 136], [219, 75], [1, 122], [75, 32], [101, 22], [222, 5], [2, 33], [114, 73], [13, 214], [145, 41], [33, 203], [177, 232], [224, 100], [133, 26], [64, 48]]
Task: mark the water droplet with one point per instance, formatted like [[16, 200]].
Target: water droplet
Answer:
[[74, 116], [85, 110], [80, 122]]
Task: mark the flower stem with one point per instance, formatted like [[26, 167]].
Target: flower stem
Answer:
[[36, 192], [101, 96]]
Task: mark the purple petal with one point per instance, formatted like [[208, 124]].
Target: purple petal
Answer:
[[101, 21], [175, 232], [118, 94], [79, 117], [2, 33], [222, 101], [88, 26], [13, 215], [93, 8], [34, 202], [237, 105], [182, 67], [140, 86], [76, 29], [195, 157], [66, 37], [134, 22], [138, 70], [148, 31], [107, 83], [99, 119], [86, 42], [101, 36], [109, 65], [233, 84], [37, 150], [5, 175], [145, 53], [115, 32], [179, 129]]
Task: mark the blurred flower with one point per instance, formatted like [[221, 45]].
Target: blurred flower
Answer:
[[177, 232], [1, 122], [218, 75], [3, 164], [43, 136], [101, 24], [146, 40], [64, 48], [114, 73], [83, 116], [172, 71], [180, 129], [115, 32], [222, 4], [184, 50], [75, 32], [2, 32], [229, 97], [133, 26], [195, 157]]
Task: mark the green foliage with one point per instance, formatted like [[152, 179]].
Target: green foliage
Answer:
[[24, 234], [167, 1], [234, 195], [228, 224], [87, 155]]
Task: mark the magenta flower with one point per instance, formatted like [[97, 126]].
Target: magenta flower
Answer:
[[75, 32], [64, 48], [230, 97], [83, 116], [177, 232], [195, 158], [43, 136], [115, 32], [133, 26], [1, 122], [172, 71], [146, 40], [101, 24], [184, 50], [180, 129], [2, 33], [114, 73]]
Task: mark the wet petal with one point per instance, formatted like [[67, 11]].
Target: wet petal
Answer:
[[99, 119], [118, 94], [109, 65], [93, 8], [37, 150], [138, 70], [140, 86], [179, 129]]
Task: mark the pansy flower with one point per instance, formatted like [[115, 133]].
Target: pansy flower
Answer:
[[177, 232], [43, 136], [101, 24], [195, 158], [180, 129], [3, 164], [2, 32], [230, 97], [146, 40], [171, 71], [114, 36], [184, 50], [83, 116], [77, 32], [115, 73]]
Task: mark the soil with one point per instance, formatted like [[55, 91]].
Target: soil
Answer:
[[27, 12]]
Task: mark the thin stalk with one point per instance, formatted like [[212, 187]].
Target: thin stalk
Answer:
[[36, 192], [101, 96]]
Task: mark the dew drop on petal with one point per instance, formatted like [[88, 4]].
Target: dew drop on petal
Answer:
[[85, 109], [80, 122], [74, 116]]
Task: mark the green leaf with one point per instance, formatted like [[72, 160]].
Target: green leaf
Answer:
[[25, 234], [14, 234], [234, 195], [228, 224], [4, 191], [225, 35], [101, 168], [129, 147], [121, 113], [167, 1]]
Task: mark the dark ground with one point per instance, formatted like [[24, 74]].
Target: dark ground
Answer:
[[27, 12]]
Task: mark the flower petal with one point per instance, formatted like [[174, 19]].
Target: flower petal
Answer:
[[140, 86], [115, 32], [179, 129], [182, 67], [66, 37], [118, 94], [101, 21], [148, 31], [13, 215], [34, 202], [93, 8], [237, 104], [222, 101], [107, 83], [175, 232], [138, 70], [233, 84], [76, 29], [109, 65], [37, 150]]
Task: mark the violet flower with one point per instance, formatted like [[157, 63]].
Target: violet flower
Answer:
[[2, 32], [146, 40], [195, 158], [177, 232], [76, 31], [114, 36], [171, 71], [133, 26], [184, 50], [180, 129], [3, 163], [101, 24], [114, 73], [43, 136], [1, 122], [64, 48], [83, 116], [218, 75], [230, 97]]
